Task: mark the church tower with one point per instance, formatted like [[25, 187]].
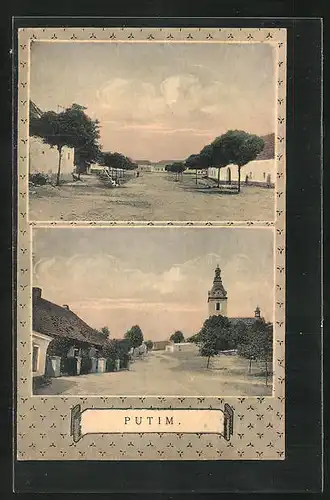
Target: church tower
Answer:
[[217, 296]]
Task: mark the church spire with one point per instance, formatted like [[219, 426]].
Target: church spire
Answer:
[[217, 296], [217, 290]]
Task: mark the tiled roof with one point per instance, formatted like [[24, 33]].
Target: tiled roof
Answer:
[[246, 321], [56, 321], [35, 112]]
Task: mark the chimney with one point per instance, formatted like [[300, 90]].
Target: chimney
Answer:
[[36, 293], [66, 307]]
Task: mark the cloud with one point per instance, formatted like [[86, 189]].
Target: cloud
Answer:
[[176, 97], [104, 289]]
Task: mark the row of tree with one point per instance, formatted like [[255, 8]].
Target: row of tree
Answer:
[[75, 129], [119, 349], [253, 342], [116, 161], [235, 147]]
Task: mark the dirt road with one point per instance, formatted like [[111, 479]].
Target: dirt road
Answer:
[[161, 373], [150, 197]]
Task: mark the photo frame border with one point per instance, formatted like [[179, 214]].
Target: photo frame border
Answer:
[[314, 304]]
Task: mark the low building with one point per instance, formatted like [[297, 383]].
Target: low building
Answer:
[[44, 159], [59, 333], [160, 345], [257, 172], [158, 168], [144, 168], [181, 347]]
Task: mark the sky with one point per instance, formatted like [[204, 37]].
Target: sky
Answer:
[[157, 278], [159, 100]]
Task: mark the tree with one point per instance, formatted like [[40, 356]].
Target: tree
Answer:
[[193, 162], [72, 128], [117, 161], [149, 344], [258, 345], [246, 350], [134, 336], [239, 334], [239, 148], [105, 331], [208, 349], [220, 155], [177, 337], [115, 349], [194, 338], [263, 344], [214, 336], [178, 167]]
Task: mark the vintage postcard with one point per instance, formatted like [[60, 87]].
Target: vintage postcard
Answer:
[[151, 244]]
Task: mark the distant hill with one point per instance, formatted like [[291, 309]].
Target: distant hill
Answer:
[[166, 162], [268, 152], [144, 162]]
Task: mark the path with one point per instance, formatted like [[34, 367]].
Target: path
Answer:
[[158, 374], [151, 197]]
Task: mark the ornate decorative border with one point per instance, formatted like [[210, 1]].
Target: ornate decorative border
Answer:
[[43, 423]]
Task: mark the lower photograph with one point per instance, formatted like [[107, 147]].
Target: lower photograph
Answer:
[[152, 311]]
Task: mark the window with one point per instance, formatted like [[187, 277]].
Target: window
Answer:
[[35, 358], [217, 306], [68, 156], [75, 352]]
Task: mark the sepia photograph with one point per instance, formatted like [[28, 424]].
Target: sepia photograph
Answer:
[[152, 131], [152, 311]]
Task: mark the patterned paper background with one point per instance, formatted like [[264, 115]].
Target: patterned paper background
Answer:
[[43, 423]]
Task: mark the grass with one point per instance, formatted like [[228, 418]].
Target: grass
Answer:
[[227, 365]]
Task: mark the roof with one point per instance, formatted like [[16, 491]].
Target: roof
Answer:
[[246, 321], [56, 321], [217, 291], [34, 110]]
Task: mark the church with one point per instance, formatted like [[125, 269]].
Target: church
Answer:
[[218, 299]]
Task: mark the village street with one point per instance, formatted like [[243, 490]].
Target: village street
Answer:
[[149, 197], [168, 374]]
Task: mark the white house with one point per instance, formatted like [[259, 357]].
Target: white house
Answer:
[[40, 343], [44, 159], [144, 168], [158, 168], [260, 172], [181, 347]]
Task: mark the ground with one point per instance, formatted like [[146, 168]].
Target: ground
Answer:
[[150, 197], [169, 374]]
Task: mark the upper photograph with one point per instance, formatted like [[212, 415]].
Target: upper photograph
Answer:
[[152, 131]]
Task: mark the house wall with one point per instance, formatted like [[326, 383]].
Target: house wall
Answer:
[[193, 171], [215, 310], [145, 168], [43, 158], [181, 347], [257, 172], [42, 342], [160, 345]]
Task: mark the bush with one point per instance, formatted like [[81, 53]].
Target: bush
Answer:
[[69, 366], [110, 365], [86, 365], [39, 179]]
